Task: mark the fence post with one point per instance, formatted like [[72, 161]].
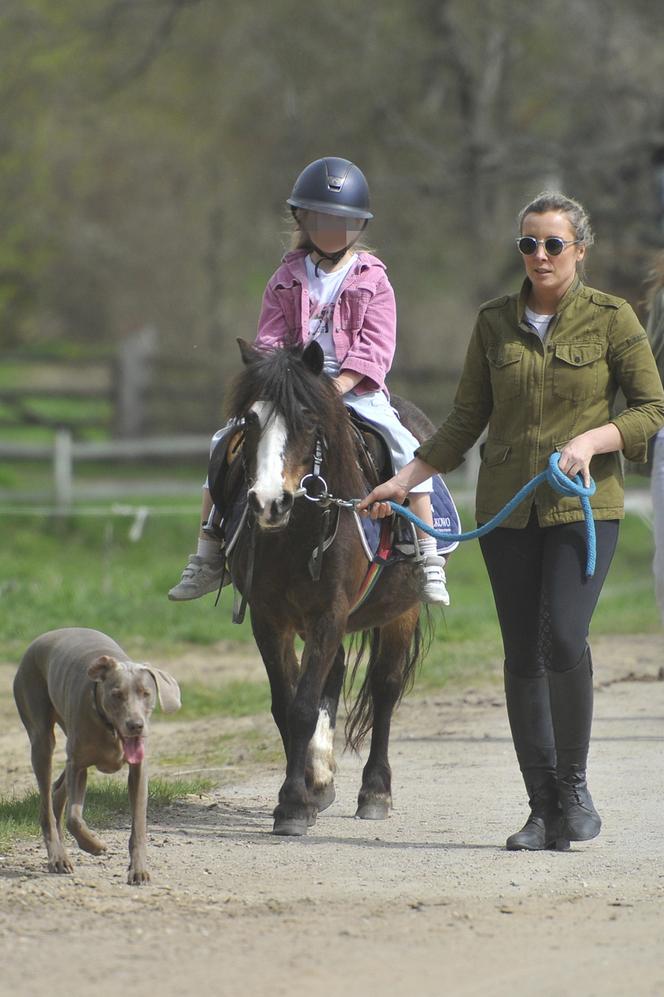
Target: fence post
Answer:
[[63, 470], [134, 373]]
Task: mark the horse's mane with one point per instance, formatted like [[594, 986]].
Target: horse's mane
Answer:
[[300, 396]]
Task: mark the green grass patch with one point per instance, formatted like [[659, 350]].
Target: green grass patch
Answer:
[[105, 802], [233, 699], [88, 572]]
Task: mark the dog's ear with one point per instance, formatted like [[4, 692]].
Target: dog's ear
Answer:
[[102, 667], [168, 690]]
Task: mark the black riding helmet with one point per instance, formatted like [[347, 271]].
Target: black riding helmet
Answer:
[[333, 186]]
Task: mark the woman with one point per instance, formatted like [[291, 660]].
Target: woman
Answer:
[[655, 329], [542, 370]]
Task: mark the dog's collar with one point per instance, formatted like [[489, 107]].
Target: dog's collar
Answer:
[[100, 713]]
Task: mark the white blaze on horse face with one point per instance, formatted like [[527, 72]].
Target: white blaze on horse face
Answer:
[[269, 484]]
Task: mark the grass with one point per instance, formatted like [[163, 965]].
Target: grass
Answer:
[[232, 699], [88, 572], [105, 802]]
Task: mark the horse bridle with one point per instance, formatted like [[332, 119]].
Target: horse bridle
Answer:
[[316, 479]]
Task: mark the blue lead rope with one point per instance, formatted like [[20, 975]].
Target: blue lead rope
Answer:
[[559, 482]]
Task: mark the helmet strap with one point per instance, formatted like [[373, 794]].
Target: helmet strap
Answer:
[[334, 257]]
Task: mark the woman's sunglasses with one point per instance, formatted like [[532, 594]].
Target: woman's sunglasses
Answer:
[[553, 246]]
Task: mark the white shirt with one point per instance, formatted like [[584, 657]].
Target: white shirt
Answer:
[[324, 290], [539, 323]]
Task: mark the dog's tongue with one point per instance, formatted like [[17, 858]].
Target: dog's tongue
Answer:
[[134, 749]]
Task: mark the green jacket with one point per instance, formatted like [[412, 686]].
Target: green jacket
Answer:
[[536, 396]]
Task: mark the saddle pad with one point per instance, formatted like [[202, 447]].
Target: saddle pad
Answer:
[[445, 520]]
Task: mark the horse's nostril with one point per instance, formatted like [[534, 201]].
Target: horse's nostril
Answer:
[[254, 503]]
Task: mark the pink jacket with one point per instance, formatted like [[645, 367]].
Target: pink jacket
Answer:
[[365, 317]]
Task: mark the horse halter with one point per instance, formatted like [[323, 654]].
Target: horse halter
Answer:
[[313, 486]]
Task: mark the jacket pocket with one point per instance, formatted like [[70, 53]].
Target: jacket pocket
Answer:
[[353, 305], [576, 370], [493, 452], [506, 364]]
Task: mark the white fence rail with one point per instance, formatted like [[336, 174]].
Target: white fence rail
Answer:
[[65, 452]]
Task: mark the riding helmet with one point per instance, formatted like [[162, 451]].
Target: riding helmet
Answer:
[[333, 186]]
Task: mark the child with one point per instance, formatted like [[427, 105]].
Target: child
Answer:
[[328, 291]]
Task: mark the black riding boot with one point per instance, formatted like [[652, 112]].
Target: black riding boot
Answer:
[[532, 732], [571, 695]]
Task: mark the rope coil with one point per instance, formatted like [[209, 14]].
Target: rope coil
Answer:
[[560, 482]]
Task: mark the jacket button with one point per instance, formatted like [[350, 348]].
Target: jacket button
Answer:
[[577, 359]]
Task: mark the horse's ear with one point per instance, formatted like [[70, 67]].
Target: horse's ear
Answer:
[[249, 353], [314, 358]]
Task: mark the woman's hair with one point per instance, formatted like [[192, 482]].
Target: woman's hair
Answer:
[[300, 239], [655, 280], [553, 200]]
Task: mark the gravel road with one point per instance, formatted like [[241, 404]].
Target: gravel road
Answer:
[[427, 902]]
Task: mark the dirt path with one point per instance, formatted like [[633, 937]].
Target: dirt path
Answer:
[[425, 903]]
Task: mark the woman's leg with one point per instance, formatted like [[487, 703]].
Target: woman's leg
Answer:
[[514, 564], [571, 598], [657, 490]]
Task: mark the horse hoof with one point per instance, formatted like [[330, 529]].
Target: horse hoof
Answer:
[[324, 797], [373, 810], [291, 826]]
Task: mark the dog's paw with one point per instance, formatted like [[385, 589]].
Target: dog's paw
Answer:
[[137, 876], [60, 863], [92, 844]]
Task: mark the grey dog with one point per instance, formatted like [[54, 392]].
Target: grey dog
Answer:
[[83, 681]]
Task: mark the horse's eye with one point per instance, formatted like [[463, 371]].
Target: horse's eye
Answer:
[[251, 418]]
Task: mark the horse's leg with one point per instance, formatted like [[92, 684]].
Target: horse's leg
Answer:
[[295, 810], [320, 764], [277, 649], [386, 676]]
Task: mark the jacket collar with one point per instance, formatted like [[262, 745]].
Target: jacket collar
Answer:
[[569, 295], [294, 262]]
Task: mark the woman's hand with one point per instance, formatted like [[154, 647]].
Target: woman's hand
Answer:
[[576, 455], [376, 503], [575, 458]]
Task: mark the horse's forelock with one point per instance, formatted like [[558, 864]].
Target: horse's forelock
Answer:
[[301, 397], [282, 378]]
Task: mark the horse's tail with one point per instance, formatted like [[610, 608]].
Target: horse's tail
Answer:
[[399, 674]]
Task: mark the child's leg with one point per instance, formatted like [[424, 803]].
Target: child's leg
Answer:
[[420, 505], [205, 569], [375, 407], [435, 582]]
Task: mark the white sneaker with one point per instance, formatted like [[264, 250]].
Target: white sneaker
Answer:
[[198, 578], [434, 588]]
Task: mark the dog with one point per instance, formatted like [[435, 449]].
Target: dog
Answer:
[[83, 681]]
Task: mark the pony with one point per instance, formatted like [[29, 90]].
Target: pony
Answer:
[[299, 563]]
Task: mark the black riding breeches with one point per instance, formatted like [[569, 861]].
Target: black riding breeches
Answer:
[[543, 599]]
